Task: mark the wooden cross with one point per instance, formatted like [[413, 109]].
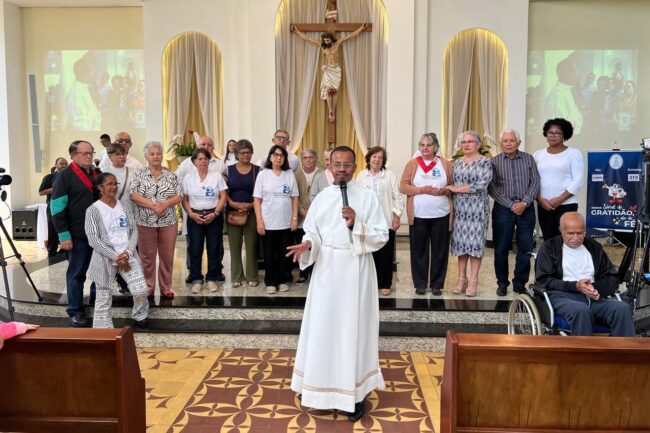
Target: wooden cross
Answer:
[[332, 26]]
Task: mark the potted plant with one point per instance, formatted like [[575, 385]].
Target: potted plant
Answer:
[[180, 149]]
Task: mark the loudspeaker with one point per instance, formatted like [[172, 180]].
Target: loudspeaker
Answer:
[[24, 223]]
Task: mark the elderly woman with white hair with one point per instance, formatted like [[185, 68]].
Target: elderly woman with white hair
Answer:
[[472, 175], [156, 192]]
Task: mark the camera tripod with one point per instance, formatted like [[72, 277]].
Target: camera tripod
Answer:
[[3, 265]]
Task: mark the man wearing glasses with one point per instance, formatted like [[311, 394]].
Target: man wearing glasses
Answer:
[[124, 139], [281, 138], [337, 362], [72, 194]]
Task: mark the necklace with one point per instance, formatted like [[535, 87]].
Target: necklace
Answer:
[[471, 159]]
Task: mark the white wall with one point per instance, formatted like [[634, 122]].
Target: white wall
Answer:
[[14, 140], [507, 18], [244, 31]]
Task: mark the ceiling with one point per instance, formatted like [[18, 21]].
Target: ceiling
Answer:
[[75, 3]]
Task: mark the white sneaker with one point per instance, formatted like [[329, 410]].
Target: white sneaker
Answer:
[[213, 287], [283, 288], [270, 290], [197, 287], [236, 284]]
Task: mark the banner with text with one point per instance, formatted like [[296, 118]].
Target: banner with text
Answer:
[[614, 189]]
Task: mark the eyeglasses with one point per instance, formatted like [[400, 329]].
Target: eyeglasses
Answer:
[[346, 165], [308, 157], [86, 153], [124, 141], [281, 138], [468, 142], [110, 184], [554, 133], [279, 155]]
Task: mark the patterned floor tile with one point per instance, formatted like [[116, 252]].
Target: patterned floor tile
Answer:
[[242, 391]]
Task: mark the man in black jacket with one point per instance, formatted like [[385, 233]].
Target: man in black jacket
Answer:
[[579, 277], [72, 194]]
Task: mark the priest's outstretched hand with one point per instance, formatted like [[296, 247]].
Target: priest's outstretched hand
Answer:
[[295, 251]]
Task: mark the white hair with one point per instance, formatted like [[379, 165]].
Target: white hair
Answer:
[[509, 131], [471, 132], [150, 144]]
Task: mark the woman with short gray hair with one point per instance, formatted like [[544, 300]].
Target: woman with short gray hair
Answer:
[[156, 192]]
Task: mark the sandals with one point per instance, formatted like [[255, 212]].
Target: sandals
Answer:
[[471, 288], [461, 286], [169, 294], [384, 292]]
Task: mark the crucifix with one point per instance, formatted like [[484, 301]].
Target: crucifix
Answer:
[[329, 45]]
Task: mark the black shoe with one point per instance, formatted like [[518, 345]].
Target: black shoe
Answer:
[[359, 411], [78, 321], [519, 290], [220, 277], [141, 325], [189, 279], [124, 290], [301, 280], [436, 292], [502, 291], [419, 291]]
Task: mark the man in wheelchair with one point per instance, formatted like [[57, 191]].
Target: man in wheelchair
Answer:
[[578, 277]]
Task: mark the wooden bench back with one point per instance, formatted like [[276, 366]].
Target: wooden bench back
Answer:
[[503, 383], [72, 380]]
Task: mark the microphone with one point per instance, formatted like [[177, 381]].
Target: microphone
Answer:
[[344, 192]]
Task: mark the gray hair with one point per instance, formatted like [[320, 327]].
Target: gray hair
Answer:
[[430, 136], [471, 132], [509, 131], [150, 144], [308, 150]]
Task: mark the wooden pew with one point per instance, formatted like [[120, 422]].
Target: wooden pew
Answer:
[[62, 380], [551, 384]]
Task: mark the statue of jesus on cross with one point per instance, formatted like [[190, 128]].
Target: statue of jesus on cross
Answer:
[[331, 79]]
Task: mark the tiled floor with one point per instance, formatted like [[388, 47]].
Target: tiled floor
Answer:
[[242, 391]]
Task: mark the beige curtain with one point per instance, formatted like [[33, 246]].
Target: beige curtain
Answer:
[[492, 63], [191, 65], [474, 87], [366, 70], [296, 64]]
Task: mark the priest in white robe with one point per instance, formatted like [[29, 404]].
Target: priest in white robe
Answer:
[[337, 362]]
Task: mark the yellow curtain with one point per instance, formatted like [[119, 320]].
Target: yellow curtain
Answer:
[[315, 136]]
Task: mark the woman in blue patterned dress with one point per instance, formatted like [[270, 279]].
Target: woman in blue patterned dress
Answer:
[[472, 175]]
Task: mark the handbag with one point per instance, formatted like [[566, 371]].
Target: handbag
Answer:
[[237, 218]]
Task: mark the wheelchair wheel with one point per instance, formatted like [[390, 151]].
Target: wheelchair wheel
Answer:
[[523, 317]]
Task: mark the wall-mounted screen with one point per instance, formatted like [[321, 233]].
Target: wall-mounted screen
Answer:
[[94, 90]]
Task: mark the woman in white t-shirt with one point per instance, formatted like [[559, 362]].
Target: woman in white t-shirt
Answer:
[[113, 236], [429, 211], [561, 176], [275, 199], [204, 197]]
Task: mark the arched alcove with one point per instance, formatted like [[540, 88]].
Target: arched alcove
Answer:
[[475, 73], [192, 86]]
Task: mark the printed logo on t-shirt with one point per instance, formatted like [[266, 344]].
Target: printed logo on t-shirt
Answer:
[[209, 191], [435, 172], [285, 189], [120, 225]]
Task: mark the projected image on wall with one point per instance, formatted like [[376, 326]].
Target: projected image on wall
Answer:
[[94, 90], [594, 89]]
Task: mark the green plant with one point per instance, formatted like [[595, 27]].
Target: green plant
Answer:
[[181, 149]]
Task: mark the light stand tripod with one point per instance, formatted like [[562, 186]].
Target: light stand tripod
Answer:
[[634, 266], [3, 260]]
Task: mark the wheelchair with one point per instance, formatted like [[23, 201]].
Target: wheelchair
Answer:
[[531, 313]]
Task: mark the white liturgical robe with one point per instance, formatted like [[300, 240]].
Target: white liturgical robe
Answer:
[[337, 361]]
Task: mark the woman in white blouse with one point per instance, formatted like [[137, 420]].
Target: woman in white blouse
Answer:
[[204, 197], [384, 183], [561, 176]]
